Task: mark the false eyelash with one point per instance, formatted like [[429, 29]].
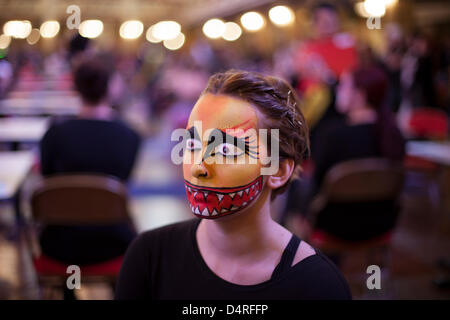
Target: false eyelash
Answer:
[[250, 150]]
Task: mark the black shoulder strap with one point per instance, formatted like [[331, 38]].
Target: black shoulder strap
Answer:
[[287, 258]]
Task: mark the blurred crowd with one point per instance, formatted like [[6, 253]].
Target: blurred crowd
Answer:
[[165, 84]]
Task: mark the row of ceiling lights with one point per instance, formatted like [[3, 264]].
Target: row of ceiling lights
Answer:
[[167, 32], [251, 21]]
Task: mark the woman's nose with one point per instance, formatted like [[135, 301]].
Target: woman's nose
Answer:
[[199, 171]]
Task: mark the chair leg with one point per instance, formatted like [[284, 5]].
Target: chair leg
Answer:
[[434, 195]]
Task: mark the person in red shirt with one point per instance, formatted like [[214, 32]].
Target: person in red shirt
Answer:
[[321, 61]]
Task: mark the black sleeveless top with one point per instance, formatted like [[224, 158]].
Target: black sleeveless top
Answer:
[[166, 264]]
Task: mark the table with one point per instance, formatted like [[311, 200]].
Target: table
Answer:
[[438, 152], [27, 94], [44, 84], [14, 168], [23, 129], [44, 104]]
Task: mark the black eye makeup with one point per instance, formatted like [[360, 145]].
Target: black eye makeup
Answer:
[[193, 133], [193, 142], [229, 146], [225, 144]]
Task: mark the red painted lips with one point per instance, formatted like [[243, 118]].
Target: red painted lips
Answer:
[[212, 203]]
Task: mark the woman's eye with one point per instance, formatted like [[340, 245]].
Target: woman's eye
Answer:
[[193, 144], [228, 149]]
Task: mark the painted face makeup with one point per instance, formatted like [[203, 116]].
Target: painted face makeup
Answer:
[[216, 187], [216, 202]]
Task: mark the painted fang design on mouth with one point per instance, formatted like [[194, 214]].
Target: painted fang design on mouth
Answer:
[[212, 203]]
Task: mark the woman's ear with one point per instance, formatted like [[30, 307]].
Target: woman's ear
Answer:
[[282, 176]]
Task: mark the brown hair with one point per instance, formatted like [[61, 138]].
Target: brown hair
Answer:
[[373, 82], [276, 99], [91, 78]]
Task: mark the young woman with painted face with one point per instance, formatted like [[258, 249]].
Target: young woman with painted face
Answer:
[[233, 249]]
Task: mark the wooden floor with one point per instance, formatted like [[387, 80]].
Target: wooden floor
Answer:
[[421, 239]]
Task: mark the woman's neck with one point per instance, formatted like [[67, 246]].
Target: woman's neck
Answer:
[[247, 233], [100, 111], [362, 116]]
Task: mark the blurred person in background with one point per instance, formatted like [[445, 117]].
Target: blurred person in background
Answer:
[[6, 76], [368, 130], [191, 79], [95, 142], [392, 64], [320, 62], [425, 81], [417, 74]]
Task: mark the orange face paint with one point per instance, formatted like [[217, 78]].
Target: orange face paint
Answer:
[[223, 112], [216, 189]]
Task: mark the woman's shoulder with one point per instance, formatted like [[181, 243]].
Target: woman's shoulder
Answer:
[[320, 277], [304, 251], [150, 246], [166, 235]]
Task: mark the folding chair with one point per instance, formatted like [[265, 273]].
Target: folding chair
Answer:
[[349, 189], [77, 200]]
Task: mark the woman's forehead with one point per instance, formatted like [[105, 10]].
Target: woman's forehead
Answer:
[[223, 112]]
